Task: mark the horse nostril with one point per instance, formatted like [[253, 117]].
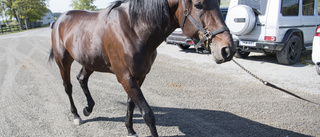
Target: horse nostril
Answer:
[[225, 52]]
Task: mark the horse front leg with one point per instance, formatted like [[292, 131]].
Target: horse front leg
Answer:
[[129, 124], [129, 116], [83, 78], [135, 96]]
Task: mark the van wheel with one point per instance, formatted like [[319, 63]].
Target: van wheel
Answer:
[[291, 51], [184, 47], [318, 68], [241, 54]]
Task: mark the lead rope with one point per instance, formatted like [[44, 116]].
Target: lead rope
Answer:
[[272, 85]]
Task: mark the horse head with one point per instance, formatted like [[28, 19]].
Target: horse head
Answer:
[[202, 20]]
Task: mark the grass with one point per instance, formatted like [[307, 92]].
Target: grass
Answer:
[[11, 32], [46, 25]]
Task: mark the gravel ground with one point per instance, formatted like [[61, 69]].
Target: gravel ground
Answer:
[[189, 93]]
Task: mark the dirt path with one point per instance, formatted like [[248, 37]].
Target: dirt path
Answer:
[[189, 93]]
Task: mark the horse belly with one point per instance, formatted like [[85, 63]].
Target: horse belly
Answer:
[[95, 64]]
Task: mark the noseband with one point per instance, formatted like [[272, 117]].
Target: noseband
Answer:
[[206, 34]]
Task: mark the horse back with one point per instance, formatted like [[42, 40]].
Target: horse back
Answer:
[[80, 34]]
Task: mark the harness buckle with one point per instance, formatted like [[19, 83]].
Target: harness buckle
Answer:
[[207, 35], [186, 12]]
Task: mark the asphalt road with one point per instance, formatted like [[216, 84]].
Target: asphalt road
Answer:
[[189, 93]]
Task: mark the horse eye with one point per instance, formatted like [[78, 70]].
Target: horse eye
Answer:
[[198, 5]]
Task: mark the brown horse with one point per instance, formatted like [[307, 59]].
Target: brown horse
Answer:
[[122, 39]]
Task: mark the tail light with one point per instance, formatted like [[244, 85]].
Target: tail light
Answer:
[[270, 38], [317, 31]]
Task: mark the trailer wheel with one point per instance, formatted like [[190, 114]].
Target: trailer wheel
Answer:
[[183, 47]]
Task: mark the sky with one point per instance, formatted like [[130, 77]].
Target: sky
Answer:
[[64, 5]]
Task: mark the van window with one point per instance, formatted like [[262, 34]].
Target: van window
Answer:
[[259, 5], [308, 7], [290, 7], [318, 7]]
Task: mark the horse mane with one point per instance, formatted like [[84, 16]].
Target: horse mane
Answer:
[[153, 12], [115, 4]]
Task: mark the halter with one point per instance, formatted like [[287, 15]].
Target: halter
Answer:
[[206, 34]]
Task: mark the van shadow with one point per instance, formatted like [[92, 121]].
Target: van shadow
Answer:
[[198, 122], [304, 60]]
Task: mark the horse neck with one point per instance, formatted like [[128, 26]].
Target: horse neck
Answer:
[[152, 37], [160, 34], [155, 36]]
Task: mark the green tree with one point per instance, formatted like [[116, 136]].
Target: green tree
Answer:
[[3, 12], [10, 11], [27, 10], [2, 9], [83, 5], [30, 10]]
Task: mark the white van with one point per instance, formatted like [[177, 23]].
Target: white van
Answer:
[[285, 27]]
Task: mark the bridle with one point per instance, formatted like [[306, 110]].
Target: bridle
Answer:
[[206, 34]]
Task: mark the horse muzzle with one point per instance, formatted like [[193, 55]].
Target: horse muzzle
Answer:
[[222, 54]]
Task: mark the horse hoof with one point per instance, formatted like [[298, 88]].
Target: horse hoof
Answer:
[[85, 112], [134, 135], [77, 121]]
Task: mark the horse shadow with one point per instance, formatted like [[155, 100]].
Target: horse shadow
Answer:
[[199, 122], [193, 50]]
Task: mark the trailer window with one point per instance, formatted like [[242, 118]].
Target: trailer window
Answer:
[[318, 7]]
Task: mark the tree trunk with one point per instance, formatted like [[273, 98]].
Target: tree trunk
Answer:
[[18, 19], [25, 21]]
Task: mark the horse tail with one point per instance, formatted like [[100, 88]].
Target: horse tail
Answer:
[[51, 55]]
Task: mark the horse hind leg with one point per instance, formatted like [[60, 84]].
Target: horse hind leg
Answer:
[[83, 78], [64, 62]]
